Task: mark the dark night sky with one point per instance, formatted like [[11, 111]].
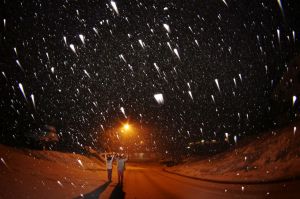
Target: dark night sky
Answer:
[[123, 60]]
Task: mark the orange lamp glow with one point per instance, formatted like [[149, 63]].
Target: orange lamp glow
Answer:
[[126, 127]]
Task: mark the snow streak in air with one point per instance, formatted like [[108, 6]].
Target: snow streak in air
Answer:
[[213, 98], [241, 77], [79, 161], [278, 35], [217, 83], [280, 6], [226, 136], [156, 67], [73, 48], [225, 3], [234, 80], [32, 99], [19, 64], [65, 40], [142, 43], [167, 27], [159, 98], [60, 184], [188, 84], [235, 139], [3, 73], [169, 45], [123, 58], [96, 31], [123, 111], [15, 49], [82, 38], [294, 100], [87, 73], [2, 160], [22, 90], [114, 6], [176, 53], [190, 93], [47, 54]]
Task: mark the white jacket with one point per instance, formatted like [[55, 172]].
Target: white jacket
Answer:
[[121, 164], [109, 164]]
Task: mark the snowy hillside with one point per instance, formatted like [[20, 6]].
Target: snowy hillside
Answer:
[[273, 156], [29, 173]]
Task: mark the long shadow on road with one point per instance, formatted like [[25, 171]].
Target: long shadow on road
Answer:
[[95, 193], [118, 192]]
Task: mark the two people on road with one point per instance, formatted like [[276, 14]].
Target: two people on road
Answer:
[[121, 159]]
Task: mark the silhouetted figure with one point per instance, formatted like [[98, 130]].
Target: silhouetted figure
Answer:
[[109, 160], [121, 167]]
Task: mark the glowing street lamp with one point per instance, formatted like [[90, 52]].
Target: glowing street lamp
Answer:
[[126, 130], [126, 127]]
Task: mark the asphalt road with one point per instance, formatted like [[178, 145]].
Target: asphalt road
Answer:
[[151, 182]]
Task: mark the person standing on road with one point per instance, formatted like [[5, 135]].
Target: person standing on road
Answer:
[[109, 164], [121, 167]]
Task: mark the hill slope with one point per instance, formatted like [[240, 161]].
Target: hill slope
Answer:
[[47, 174], [273, 156]]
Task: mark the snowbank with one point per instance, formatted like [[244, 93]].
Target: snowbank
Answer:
[[47, 174], [271, 157]]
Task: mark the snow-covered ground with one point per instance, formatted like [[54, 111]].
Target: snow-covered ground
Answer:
[[50, 174], [273, 156], [47, 174]]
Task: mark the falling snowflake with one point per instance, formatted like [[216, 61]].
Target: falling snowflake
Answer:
[[159, 98], [142, 43], [19, 64], [190, 93], [225, 3], [114, 6], [123, 111], [73, 48], [79, 161], [294, 100], [60, 184], [176, 53], [87, 74], [82, 38], [167, 27], [217, 83], [32, 99], [22, 90]]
